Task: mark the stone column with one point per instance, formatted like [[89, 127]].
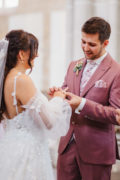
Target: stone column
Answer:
[[78, 12], [46, 50], [3, 26], [70, 29], [118, 31]]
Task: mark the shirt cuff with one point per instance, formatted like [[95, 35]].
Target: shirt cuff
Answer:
[[81, 106]]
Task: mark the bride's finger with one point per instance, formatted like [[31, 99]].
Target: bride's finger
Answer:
[[66, 89], [69, 94], [118, 111]]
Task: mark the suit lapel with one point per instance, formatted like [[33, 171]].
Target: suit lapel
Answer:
[[100, 71], [77, 79]]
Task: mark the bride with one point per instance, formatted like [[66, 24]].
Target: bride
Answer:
[[27, 116]]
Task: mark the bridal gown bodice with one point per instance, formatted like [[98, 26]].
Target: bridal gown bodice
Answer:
[[24, 152]]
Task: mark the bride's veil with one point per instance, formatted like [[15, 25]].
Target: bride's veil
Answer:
[[3, 56]]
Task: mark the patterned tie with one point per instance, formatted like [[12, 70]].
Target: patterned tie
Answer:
[[87, 74]]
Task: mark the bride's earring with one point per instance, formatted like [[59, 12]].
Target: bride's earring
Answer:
[[22, 61]]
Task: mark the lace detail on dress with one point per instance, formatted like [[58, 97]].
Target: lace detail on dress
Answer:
[[24, 152], [55, 114]]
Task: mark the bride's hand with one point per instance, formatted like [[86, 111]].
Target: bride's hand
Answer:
[[52, 90], [118, 116], [60, 93]]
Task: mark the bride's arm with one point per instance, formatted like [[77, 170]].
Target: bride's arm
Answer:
[[25, 89], [47, 111], [25, 92], [52, 110]]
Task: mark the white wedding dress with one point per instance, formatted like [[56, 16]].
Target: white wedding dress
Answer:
[[24, 152]]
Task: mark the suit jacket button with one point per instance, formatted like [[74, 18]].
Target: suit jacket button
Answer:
[[73, 122]]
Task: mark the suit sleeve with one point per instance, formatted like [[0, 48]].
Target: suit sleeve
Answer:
[[104, 114]]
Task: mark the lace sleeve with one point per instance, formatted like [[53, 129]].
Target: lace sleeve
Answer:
[[54, 115]]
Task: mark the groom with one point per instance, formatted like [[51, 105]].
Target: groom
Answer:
[[89, 149]]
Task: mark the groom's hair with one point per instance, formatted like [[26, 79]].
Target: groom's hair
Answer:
[[97, 25]]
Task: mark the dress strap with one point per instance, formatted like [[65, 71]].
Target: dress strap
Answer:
[[14, 93]]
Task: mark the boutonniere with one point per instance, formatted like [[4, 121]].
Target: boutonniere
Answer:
[[78, 67]]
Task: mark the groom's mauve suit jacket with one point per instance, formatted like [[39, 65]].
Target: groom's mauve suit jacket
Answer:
[[94, 126]]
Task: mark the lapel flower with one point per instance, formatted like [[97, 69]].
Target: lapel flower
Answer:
[[78, 67]]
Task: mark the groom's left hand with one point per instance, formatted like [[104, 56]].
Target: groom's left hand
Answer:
[[53, 90], [118, 116]]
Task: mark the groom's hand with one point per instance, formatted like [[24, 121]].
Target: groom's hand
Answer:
[[60, 93], [118, 116], [53, 90], [73, 100]]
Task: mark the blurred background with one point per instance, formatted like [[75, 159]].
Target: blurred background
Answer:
[[57, 25]]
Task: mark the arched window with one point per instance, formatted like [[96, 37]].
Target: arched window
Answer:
[[9, 3]]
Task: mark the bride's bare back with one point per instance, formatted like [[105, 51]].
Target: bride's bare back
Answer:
[[23, 92]]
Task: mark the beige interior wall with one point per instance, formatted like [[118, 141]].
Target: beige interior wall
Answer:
[[3, 26], [46, 7]]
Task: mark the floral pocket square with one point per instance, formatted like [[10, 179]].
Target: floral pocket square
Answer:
[[100, 84]]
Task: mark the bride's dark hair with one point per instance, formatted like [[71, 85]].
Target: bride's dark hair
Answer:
[[18, 40]]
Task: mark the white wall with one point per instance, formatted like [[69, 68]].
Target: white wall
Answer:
[[57, 48], [80, 11], [32, 23]]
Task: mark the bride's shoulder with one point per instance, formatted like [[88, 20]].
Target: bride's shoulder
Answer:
[[25, 88], [23, 79], [22, 85], [25, 82], [20, 80]]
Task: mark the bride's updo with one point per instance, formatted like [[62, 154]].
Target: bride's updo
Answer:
[[18, 40]]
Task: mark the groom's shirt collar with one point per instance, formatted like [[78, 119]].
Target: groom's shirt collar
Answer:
[[98, 60]]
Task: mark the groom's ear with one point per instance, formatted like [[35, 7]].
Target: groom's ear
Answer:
[[106, 42]]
